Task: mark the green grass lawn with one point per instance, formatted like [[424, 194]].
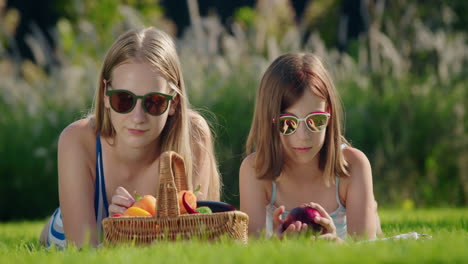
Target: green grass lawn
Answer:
[[448, 228]]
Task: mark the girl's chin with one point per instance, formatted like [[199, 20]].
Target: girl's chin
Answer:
[[136, 142], [302, 157]]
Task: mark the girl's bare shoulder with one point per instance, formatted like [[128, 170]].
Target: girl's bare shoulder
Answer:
[[79, 136], [359, 173], [359, 169], [248, 164], [251, 187], [249, 172], [355, 158]]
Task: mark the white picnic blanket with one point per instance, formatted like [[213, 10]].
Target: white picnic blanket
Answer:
[[410, 235]]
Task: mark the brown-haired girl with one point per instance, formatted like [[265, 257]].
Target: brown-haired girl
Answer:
[[297, 154]]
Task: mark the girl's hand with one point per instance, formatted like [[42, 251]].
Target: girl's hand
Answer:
[[294, 228], [329, 229], [121, 200]]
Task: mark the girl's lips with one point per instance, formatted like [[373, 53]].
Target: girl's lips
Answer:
[[136, 131], [302, 150]]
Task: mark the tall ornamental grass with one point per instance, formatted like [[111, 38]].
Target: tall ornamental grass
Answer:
[[404, 93]]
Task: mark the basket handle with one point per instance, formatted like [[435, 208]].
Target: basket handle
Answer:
[[171, 179]]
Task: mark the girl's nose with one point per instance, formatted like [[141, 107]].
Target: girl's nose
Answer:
[[302, 131], [138, 113]]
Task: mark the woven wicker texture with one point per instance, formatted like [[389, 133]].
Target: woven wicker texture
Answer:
[[168, 224]]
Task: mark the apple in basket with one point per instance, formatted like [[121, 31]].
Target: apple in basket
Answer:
[[304, 214]]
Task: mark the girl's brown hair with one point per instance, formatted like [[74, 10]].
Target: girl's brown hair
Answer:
[[183, 130], [282, 85]]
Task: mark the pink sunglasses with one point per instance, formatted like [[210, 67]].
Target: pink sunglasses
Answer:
[[315, 122]]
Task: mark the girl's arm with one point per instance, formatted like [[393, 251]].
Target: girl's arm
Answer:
[[361, 213], [252, 196], [76, 187]]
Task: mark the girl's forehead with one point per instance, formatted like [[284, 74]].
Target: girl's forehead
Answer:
[[134, 76], [307, 103], [136, 71]]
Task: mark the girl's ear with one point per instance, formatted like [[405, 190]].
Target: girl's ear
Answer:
[[174, 104], [104, 95]]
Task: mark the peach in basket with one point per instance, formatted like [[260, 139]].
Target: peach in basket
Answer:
[[147, 203]]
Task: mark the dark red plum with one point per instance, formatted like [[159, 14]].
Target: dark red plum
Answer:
[[305, 215]]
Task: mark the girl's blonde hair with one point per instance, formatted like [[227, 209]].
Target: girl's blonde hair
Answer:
[[183, 129], [282, 85]]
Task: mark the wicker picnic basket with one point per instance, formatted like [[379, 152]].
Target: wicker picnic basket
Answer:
[[168, 225]]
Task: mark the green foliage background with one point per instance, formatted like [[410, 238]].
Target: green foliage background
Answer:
[[403, 85]]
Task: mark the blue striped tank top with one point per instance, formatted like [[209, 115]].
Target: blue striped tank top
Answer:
[[56, 234]]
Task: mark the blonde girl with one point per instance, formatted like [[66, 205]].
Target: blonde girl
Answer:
[[140, 110]]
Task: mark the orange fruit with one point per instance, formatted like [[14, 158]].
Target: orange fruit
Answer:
[[136, 211], [147, 203], [190, 198]]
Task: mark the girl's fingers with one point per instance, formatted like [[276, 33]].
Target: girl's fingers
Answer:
[[292, 228], [298, 225], [122, 201], [326, 221], [277, 216], [331, 237], [320, 209], [114, 209], [323, 221], [123, 192], [278, 212], [295, 227], [280, 233], [277, 221]]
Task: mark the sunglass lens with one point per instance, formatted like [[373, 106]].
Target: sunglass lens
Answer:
[[156, 104], [287, 125], [122, 102], [317, 122]]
